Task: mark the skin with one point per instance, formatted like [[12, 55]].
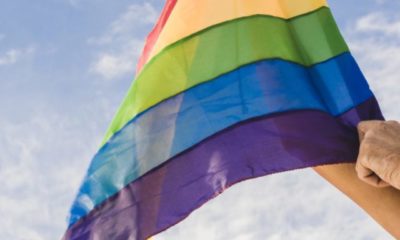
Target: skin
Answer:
[[382, 204], [378, 163], [367, 182], [374, 181]]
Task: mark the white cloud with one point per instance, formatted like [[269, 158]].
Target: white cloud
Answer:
[[42, 159], [74, 3], [292, 205], [127, 24], [378, 22], [375, 41], [120, 45], [12, 56], [41, 166], [299, 204], [390, 3], [380, 1], [111, 65]]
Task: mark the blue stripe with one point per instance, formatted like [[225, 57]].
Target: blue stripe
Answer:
[[178, 123]]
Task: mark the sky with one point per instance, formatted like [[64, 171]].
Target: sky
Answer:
[[65, 66]]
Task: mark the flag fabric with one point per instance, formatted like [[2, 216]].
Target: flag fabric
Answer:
[[225, 91]]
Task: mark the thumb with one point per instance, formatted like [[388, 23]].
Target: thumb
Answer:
[[365, 126]]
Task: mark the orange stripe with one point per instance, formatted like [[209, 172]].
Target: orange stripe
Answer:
[[191, 16]]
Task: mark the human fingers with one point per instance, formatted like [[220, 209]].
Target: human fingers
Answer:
[[368, 176], [388, 169], [365, 126]]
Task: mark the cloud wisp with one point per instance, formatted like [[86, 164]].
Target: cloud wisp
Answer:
[[291, 205], [44, 157], [12, 56], [375, 41], [120, 45], [41, 167], [298, 205]]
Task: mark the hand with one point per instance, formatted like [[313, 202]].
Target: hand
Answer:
[[378, 162]]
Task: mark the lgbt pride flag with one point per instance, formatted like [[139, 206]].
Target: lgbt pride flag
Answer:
[[226, 90]]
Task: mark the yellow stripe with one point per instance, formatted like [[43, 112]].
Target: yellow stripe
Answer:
[[191, 16]]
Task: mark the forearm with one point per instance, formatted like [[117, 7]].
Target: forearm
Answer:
[[383, 204]]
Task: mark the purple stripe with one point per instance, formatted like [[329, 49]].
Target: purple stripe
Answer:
[[255, 148]]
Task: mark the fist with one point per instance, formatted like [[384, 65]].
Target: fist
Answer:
[[378, 162]]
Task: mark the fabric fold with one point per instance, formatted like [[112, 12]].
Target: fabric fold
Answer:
[[226, 47], [187, 18], [254, 148], [226, 90], [254, 90]]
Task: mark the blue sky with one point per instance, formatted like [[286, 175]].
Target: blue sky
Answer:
[[65, 66]]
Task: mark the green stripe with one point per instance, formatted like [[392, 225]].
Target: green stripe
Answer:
[[306, 40]]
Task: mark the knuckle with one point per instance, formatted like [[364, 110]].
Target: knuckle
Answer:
[[392, 122], [373, 133], [391, 173], [389, 176], [361, 160], [357, 167], [380, 126], [359, 173], [367, 145], [364, 125], [360, 125]]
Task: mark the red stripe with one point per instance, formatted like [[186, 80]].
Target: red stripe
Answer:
[[155, 33]]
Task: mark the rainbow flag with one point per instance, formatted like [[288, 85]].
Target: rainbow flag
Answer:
[[226, 91]]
